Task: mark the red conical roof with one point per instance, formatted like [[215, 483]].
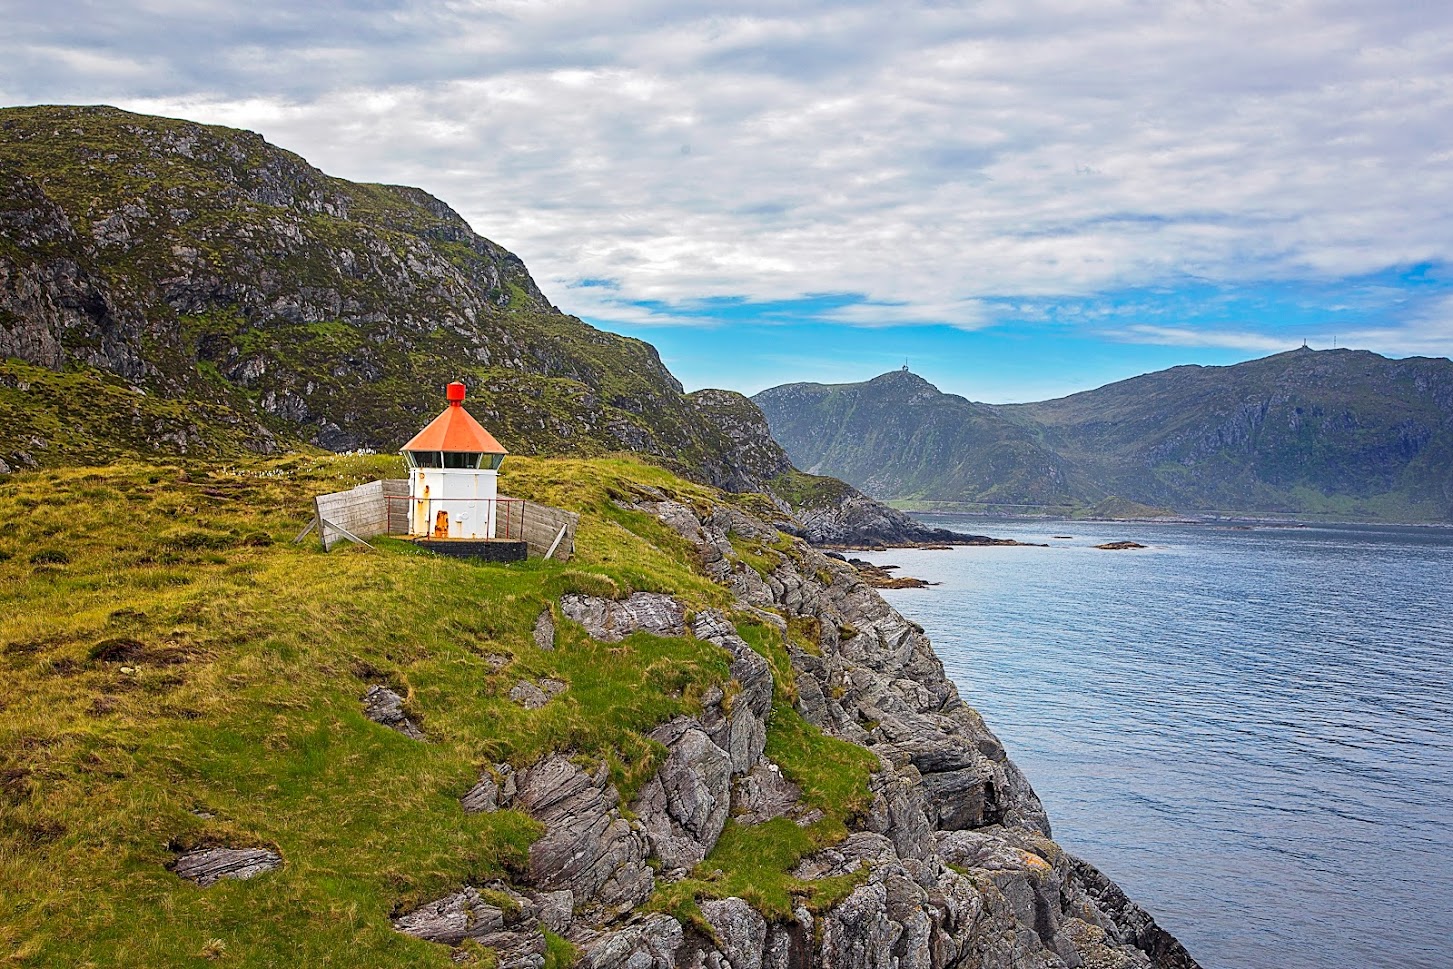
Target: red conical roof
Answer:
[[455, 430]]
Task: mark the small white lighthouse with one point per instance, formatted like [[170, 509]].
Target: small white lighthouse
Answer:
[[454, 475]]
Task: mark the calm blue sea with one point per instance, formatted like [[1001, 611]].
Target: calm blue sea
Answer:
[[1250, 730]]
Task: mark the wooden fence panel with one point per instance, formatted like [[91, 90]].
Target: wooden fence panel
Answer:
[[542, 526], [362, 510], [396, 497], [382, 508]]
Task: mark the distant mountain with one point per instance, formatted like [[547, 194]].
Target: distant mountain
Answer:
[[898, 436], [1330, 432]]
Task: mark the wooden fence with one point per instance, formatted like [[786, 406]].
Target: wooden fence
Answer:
[[546, 526], [376, 508]]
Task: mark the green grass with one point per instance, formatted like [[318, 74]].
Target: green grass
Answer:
[[803, 490], [181, 674]]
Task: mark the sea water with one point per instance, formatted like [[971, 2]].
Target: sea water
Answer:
[[1249, 729]]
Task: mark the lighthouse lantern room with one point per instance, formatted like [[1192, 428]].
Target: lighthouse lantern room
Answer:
[[454, 475]]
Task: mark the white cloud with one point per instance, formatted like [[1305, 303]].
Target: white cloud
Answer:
[[1187, 337], [929, 157]]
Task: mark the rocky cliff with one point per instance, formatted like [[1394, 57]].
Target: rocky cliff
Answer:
[[949, 864], [700, 742], [1339, 432]]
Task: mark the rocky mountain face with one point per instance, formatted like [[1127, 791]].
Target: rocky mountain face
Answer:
[[898, 436], [951, 866], [194, 263], [1338, 432], [181, 288]]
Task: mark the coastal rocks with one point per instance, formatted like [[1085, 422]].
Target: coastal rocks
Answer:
[[651, 943], [742, 733], [504, 920], [712, 537], [1133, 925], [740, 936], [881, 577], [949, 865], [907, 917], [956, 864], [588, 847], [1076, 911], [384, 706], [762, 794], [611, 620], [207, 866], [1120, 546], [685, 806]]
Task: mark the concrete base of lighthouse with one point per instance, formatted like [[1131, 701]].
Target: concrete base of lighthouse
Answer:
[[484, 550]]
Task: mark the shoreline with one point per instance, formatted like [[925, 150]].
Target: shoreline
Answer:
[[1251, 520]]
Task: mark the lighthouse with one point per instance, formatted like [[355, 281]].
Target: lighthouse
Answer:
[[454, 475]]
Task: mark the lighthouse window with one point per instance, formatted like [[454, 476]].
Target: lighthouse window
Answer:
[[424, 459], [461, 459]]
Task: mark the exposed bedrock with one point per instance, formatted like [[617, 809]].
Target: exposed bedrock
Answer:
[[955, 863]]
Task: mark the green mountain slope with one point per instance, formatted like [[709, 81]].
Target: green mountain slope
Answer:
[[1334, 432], [201, 264], [897, 436]]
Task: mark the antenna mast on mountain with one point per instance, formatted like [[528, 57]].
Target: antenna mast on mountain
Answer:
[[905, 364]]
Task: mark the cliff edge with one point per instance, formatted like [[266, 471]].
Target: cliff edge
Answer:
[[949, 863]]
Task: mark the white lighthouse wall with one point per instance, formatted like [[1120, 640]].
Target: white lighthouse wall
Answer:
[[466, 494]]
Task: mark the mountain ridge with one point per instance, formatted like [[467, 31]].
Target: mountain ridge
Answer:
[[1329, 432]]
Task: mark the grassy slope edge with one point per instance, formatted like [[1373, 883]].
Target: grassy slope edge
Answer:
[[181, 674]]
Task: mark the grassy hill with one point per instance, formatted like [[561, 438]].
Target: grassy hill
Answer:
[[168, 287], [180, 674]]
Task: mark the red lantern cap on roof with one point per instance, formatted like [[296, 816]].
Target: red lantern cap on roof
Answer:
[[455, 430]]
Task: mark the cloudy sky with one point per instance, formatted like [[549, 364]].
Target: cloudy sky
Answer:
[[1020, 198]]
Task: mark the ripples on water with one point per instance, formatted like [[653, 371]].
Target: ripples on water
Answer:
[[1251, 731]]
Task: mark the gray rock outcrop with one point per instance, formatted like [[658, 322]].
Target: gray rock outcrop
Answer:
[[685, 806], [207, 866], [611, 620], [589, 848], [504, 920], [384, 706]]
